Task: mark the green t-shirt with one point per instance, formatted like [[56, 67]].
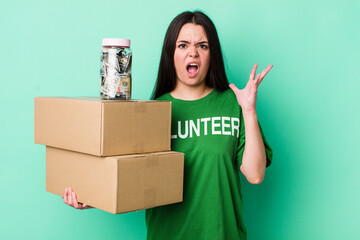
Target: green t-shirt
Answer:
[[210, 132]]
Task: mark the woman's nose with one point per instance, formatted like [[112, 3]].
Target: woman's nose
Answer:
[[193, 52]]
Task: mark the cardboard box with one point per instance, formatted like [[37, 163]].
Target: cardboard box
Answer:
[[117, 184], [103, 127]]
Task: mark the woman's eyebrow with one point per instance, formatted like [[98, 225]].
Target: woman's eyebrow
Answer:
[[184, 41]]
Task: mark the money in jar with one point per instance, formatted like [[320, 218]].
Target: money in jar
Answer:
[[115, 72]]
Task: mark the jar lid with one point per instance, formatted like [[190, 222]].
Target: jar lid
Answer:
[[116, 42]]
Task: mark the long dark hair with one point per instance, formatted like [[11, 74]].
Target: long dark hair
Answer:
[[216, 76]]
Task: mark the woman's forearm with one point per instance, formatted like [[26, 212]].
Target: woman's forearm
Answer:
[[254, 157]]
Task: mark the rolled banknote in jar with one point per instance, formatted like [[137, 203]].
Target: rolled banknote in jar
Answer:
[[115, 71]]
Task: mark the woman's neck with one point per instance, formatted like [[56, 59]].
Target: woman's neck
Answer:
[[190, 92]]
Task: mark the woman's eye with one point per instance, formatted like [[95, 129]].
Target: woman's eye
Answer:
[[203, 46], [182, 46]]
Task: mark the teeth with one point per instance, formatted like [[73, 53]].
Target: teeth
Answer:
[[193, 64]]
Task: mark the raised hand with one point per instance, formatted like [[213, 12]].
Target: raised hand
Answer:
[[247, 97]]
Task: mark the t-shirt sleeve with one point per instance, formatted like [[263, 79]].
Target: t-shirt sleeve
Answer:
[[241, 145]]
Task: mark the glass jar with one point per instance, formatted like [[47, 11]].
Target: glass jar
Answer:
[[115, 73]]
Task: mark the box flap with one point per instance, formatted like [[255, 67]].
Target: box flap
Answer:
[[149, 180], [135, 127], [68, 123]]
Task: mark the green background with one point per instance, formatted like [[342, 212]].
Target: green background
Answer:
[[307, 105]]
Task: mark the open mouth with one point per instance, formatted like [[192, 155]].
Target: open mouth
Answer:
[[192, 69]]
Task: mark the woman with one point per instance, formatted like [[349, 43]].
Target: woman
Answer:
[[217, 129]]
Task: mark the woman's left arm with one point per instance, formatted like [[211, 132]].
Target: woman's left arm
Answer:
[[254, 158]]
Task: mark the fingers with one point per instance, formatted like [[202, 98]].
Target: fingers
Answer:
[[253, 72], [257, 79], [76, 204], [263, 73], [65, 196], [266, 70], [71, 199], [70, 202]]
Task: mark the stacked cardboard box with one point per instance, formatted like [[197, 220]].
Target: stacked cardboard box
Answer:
[[114, 154]]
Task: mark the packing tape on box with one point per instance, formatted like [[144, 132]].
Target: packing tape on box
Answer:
[[140, 107], [152, 161], [150, 197]]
